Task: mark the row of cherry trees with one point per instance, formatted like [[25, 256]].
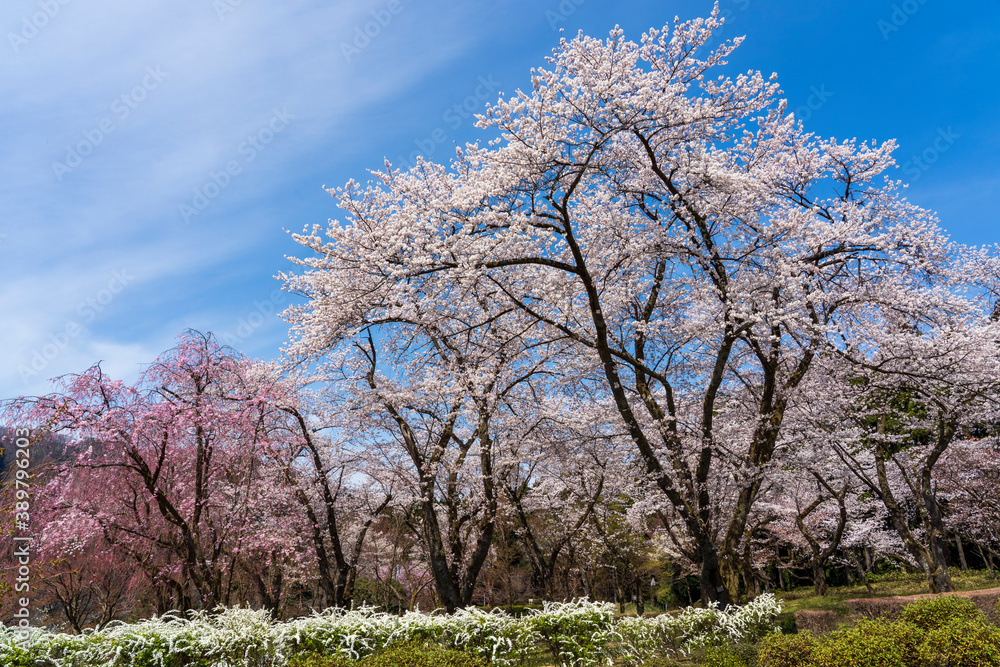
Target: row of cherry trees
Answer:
[[220, 480], [652, 326]]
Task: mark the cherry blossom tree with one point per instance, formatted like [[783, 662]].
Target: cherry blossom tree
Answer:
[[672, 225], [323, 462], [968, 477], [173, 471], [920, 381], [561, 479], [442, 381]]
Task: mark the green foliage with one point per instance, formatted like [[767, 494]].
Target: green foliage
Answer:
[[925, 638], [963, 642], [795, 650], [319, 660], [871, 643], [932, 613], [733, 655], [19, 657], [422, 655]]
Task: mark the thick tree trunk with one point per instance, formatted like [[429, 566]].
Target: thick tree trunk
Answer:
[[819, 576], [443, 582], [713, 585]]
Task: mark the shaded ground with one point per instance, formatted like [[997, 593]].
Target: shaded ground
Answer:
[[892, 585]]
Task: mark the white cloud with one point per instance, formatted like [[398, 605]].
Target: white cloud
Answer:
[[195, 87]]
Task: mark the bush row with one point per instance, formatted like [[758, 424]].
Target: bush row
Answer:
[[947, 631], [891, 607], [576, 634]]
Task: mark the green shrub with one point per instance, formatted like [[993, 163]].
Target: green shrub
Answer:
[[733, 655], [962, 643], [796, 650], [876, 643], [318, 660], [421, 655], [19, 657], [661, 661], [931, 613]]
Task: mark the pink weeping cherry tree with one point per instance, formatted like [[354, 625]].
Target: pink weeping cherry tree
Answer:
[[176, 474]]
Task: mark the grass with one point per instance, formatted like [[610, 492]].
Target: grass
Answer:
[[886, 585]]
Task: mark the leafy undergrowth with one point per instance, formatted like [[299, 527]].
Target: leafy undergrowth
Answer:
[[945, 631]]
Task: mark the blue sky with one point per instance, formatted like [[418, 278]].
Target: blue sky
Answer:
[[154, 153]]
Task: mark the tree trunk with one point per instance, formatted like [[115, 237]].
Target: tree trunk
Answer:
[[443, 583], [713, 583], [863, 571], [640, 603], [931, 557], [986, 559], [961, 553], [819, 576]]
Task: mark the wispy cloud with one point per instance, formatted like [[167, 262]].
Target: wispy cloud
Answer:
[[121, 113]]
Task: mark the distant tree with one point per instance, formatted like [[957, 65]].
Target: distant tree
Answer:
[[917, 385]]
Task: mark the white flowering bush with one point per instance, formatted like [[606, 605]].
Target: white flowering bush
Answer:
[[17, 650], [354, 634], [497, 637], [578, 634], [696, 627]]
